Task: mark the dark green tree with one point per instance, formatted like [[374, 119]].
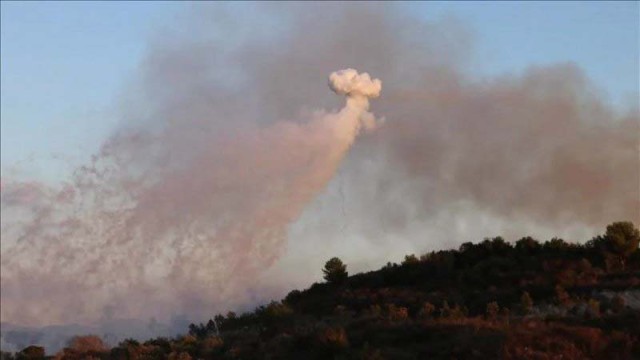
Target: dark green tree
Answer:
[[335, 271], [527, 245], [622, 239], [555, 245], [410, 259], [31, 353]]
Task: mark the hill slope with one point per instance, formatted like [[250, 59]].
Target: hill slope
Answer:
[[489, 300]]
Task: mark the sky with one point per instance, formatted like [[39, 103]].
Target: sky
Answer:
[[64, 65]]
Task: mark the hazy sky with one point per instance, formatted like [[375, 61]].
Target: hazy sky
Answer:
[[65, 65]]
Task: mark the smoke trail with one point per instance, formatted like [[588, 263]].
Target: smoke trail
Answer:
[[187, 233]]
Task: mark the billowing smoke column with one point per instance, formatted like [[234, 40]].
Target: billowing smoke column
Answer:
[[193, 235], [358, 88]]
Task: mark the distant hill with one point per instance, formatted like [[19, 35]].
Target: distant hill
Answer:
[[489, 300], [55, 337]]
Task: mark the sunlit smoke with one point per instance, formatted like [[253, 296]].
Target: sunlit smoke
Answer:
[[193, 233]]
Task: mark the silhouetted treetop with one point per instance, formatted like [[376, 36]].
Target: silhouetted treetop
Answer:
[[335, 271]]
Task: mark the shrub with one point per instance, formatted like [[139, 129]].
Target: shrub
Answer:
[[396, 313], [374, 310], [87, 343], [210, 344], [426, 311], [277, 310], [292, 297], [458, 312], [445, 310], [526, 303], [410, 259], [492, 310], [31, 352], [527, 245], [333, 338], [179, 356]]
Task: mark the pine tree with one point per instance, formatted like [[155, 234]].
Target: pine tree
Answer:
[[335, 272]]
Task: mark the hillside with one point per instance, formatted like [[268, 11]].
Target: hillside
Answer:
[[492, 299]]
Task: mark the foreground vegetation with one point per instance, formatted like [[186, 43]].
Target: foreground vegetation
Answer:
[[493, 299]]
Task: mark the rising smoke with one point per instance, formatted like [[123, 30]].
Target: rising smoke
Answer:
[[220, 162], [189, 229]]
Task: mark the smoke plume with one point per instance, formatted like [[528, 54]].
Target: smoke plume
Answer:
[[196, 225], [220, 176]]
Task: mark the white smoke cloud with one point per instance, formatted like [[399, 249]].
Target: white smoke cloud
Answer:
[[358, 88], [191, 234], [349, 82]]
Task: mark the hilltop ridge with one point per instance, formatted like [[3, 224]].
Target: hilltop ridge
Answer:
[[492, 299]]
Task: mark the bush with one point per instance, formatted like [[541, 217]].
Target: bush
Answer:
[[31, 352], [410, 259], [492, 310], [179, 356], [526, 303], [210, 345], [292, 297], [445, 310], [374, 310], [333, 338], [527, 245], [89, 343], [426, 311], [458, 312], [277, 310], [396, 313]]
